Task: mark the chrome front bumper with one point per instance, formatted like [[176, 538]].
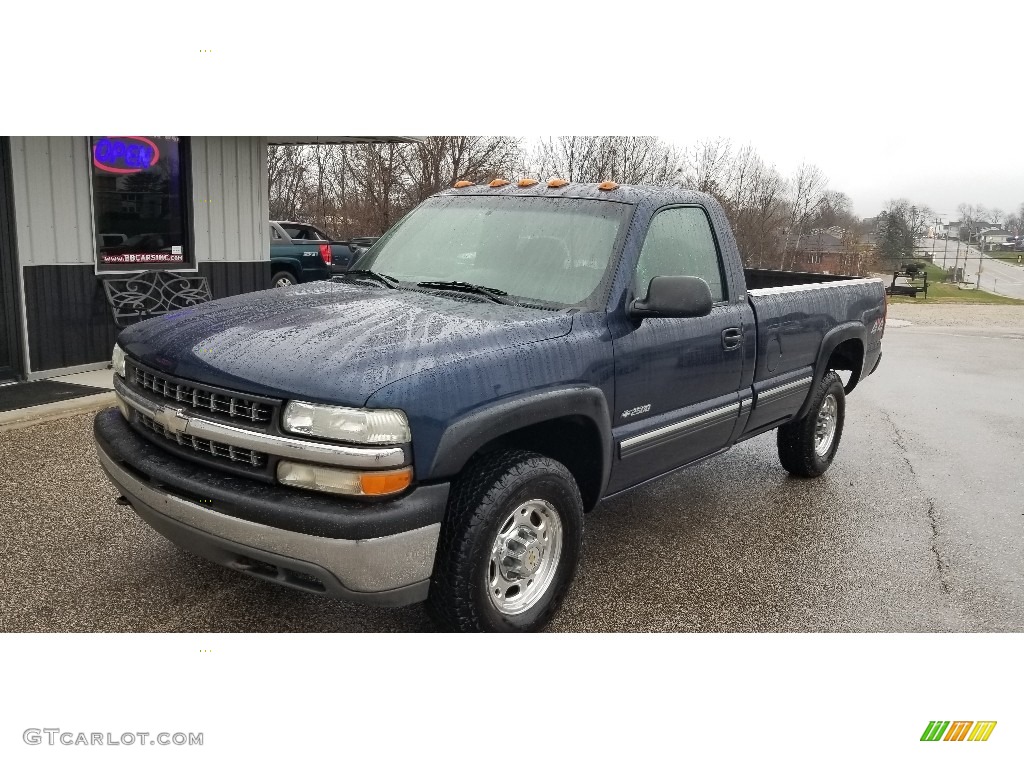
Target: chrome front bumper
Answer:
[[389, 570]]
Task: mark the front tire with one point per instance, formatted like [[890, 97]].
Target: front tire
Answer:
[[808, 446], [509, 545]]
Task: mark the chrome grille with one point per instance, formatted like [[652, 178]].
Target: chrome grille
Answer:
[[220, 450], [237, 408]]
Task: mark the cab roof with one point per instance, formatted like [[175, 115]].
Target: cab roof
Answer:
[[630, 194]]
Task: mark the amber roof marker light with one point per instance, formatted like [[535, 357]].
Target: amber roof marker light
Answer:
[[498, 183], [555, 182], [527, 182], [463, 183], [607, 186]]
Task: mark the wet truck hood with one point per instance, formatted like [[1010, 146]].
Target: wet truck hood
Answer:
[[329, 342]]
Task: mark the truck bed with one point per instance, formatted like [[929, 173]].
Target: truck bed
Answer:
[[777, 278], [794, 313]]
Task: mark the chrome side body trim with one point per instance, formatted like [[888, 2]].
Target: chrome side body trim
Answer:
[[179, 420], [785, 389], [639, 442]]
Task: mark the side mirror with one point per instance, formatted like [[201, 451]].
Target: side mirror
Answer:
[[674, 296]]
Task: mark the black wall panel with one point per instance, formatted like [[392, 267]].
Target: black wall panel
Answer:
[[69, 320]]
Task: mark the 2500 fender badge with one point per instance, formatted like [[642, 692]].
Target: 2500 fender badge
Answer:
[[630, 412]]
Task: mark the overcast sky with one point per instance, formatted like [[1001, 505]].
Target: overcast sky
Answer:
[[938, 164], [890, 99]]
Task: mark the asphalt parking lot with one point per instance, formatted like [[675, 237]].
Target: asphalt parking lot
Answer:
[[918, 526]]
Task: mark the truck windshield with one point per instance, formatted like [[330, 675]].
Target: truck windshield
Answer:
[[548, 251]]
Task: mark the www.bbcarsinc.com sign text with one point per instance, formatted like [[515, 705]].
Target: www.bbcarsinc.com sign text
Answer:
[[55, 736]]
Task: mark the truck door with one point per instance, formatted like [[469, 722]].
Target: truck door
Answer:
[[677, 380]]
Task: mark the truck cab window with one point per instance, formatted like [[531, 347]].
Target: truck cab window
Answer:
[[679, 242]]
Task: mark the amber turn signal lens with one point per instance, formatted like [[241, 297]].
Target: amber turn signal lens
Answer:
[[607, 186], [382, 483], [348, 482], [527, 182], [463, 183], [498, 183], [557, 182]]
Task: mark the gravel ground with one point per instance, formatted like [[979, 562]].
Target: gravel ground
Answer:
[[960, 315]]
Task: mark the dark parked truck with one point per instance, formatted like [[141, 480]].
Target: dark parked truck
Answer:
[[434, 424], [301, 253]]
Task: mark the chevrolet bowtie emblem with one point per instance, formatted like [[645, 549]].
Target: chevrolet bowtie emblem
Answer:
[[170, 419]]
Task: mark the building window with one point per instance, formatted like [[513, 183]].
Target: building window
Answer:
[[140, 200]]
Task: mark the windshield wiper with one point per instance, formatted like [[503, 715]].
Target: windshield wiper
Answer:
[[386, 280], [494, 294]]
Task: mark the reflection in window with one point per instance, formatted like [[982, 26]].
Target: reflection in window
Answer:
[[679, 243]]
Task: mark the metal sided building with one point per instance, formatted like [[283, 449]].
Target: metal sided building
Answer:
[[75, 210]]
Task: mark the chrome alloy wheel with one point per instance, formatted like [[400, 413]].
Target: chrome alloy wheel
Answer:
[[524, 557], [825, 428], [283, 282]]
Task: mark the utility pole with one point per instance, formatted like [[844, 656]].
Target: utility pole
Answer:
[[945, 248], [981, 257]]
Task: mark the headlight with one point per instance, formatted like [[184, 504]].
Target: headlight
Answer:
[[117, 361], [353, 425]]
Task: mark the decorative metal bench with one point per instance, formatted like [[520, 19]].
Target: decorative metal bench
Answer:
[[153, 293]]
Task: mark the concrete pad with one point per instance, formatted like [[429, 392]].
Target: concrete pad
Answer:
[[39, 414], [102, 378]]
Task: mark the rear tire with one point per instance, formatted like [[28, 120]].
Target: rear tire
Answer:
[[509, 546], [807, 447], [283, 279]]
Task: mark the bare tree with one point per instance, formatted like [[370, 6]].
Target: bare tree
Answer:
[[568, 157], [625, 159], [377, 174], [288, 177], [970, 215], [808, 187], [707, 166], [363, 189], [440, 161], [1015, 223]]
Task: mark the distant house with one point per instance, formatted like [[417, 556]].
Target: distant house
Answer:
[[993, 236], [825, 251], [960, 230]]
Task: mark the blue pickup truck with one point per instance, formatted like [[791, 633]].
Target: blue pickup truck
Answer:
[[435, 423]]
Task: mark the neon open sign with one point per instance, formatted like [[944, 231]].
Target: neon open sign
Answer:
[[124, 154]]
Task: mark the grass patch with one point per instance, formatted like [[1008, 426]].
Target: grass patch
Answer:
[[1012, 258], [947, 293]]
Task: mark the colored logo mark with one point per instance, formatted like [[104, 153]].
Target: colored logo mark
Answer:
[[958, 730]]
